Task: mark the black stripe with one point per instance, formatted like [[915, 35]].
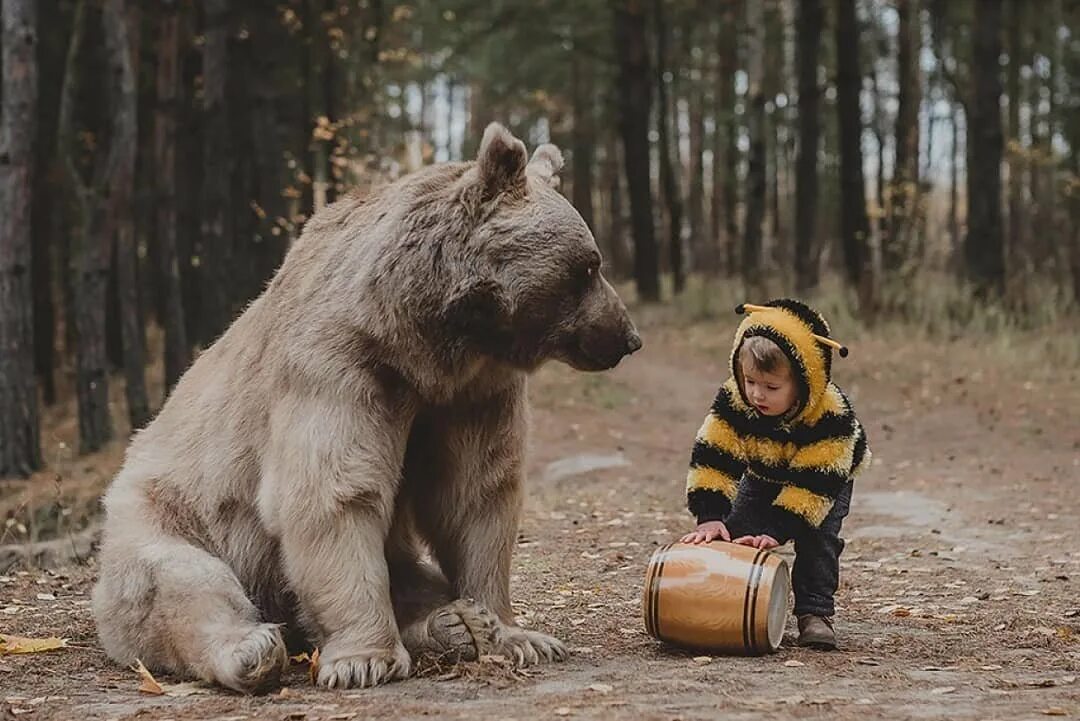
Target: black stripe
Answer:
[[707, 504], [755, 575], [656, 590], [823, 483], [830, 425], [708, 456]]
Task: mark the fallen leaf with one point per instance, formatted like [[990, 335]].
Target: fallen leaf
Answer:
[[1042, 683], [313, 668], [1066, 680], [300, 658], [18, 644], [296, 715], [990, 667], [562, 711], [794, 664], [902, 612], [149, 683], [46, 597], [600, 688], [341, 717], [869, 662], [943, 690], [999, 627], [183, 690], [1054, 712], [702, 660]]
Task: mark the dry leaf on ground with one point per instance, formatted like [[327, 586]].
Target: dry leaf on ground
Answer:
[[149, 683], [313, 669], [18, 644]]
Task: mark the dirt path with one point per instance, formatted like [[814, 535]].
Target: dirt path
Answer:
[[959, 596]]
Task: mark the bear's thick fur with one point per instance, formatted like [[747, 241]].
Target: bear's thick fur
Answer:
[[366, 411]]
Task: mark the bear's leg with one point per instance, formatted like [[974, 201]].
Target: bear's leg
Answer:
[[330, 484], [176, 608], [432, 623], [470, 464]]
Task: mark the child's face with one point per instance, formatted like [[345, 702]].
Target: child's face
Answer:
[[773, 394]]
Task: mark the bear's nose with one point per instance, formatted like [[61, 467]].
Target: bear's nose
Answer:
[[633, 342]]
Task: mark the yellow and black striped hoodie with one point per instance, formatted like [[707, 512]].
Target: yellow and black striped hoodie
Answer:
[[792, 466]]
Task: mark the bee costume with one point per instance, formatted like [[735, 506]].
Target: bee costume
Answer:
[[788, 476]]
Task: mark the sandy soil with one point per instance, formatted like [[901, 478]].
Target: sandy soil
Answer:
[[959, 595]]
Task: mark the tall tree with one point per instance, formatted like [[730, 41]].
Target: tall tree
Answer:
[[903, 191], [583, 133], [755, 174], [631, 47], [91, 250], [217, 233], [854, 225], [177, 351], [725, 228], [20, 444], [1014, 244], [120, 223], [809, 23], [696, 166], [669, 181], [983, 246]]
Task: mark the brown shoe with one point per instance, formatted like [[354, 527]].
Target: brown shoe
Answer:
[[817, 632]]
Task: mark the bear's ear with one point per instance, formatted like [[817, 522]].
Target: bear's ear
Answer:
[[547, 161], [501, 161], [478, 307]]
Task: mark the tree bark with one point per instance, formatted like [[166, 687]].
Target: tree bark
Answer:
[[583, 135], [177, 350], [669, 181], [20, 442], [755, 176], [696, 186], [634, 100], [616, 226], [217, 233], [321, 135], [1014, 242], [120, 180], [90, 257], [811, 15], [903, 191], [983, 246], [854, 224]]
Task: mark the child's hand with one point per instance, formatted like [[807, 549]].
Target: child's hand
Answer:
[[708, 531], [763, 542]]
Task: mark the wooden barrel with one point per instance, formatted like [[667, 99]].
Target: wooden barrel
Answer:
[[717, 596]]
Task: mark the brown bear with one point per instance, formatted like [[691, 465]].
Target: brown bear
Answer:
[[346, 461]]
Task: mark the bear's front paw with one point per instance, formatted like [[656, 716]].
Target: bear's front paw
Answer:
[[364, 667], [526, 648]]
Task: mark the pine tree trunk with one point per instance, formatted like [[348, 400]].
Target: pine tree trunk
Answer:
[[20, 443], [120, 225], [983, 247], [319, 145], [903, 190], [1014, 241], [755, 176], [217, 236], [854, 225], [47, 202], [810, 20], [669, 182], [177, 350], [724, 226], [631, 47], [699, 257], [616, 226], [583, 136], [90, 256]]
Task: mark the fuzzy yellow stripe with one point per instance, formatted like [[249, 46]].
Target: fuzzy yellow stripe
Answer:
[[720, 435], [768, 451], [832, 402], [710, 479], [802, 502], [836, 454]]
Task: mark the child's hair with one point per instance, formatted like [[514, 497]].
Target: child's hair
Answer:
[[763, 355]]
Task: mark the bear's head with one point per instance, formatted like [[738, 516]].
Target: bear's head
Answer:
[[534, 290]]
